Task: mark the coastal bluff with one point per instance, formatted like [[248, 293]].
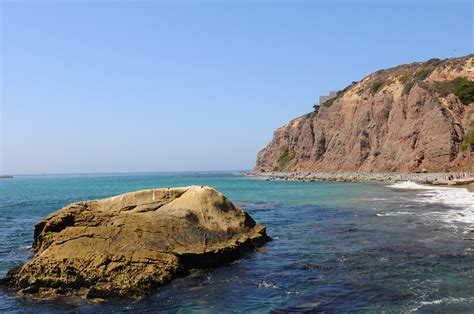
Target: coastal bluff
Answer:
[[416, 117], [130, 244]]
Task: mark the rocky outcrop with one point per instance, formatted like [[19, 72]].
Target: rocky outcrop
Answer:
[[130, 244], [410, 118]]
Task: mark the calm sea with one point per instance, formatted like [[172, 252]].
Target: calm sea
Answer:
[[338, 247]]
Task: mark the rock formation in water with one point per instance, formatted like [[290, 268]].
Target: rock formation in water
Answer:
[[130, 244], [411, 118]]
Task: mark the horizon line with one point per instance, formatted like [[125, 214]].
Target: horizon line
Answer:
[[120, 172]]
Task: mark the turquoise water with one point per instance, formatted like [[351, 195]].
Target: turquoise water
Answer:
[[342, 247]]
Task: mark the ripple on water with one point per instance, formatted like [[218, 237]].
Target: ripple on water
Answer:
[[330, 250]]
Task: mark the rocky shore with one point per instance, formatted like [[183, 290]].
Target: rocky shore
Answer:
[[460, 178]]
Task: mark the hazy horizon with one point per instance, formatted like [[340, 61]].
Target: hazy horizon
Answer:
[[123, 87], [124, 173]]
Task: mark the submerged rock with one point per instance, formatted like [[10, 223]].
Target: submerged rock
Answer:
[[130, 244]]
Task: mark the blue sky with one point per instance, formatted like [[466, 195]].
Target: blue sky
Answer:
[[112, 86]]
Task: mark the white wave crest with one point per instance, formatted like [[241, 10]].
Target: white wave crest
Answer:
[[265, 284], [459, 198], [410, 186], [447, 300], [399, 213]]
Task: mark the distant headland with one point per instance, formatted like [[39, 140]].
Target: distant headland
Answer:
[[412, 118]]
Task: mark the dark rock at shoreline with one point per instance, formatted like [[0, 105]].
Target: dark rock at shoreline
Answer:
[[130, 244]]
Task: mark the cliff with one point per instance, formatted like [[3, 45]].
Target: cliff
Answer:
[[410, 118]]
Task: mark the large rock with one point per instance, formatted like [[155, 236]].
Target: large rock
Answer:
[[129, 244]]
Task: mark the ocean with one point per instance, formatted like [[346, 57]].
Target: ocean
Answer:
[[337, 247]]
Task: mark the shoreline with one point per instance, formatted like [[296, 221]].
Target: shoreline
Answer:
[[465, 179]]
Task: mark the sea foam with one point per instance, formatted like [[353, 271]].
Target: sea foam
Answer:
[[459, 198]]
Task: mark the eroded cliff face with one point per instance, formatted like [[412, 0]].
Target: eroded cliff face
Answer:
[[409, 118]]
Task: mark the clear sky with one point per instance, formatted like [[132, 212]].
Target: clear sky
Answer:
[[112, 86]]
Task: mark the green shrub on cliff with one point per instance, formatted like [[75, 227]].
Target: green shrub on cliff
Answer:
[[463, 147], [434, 62], [418, 76], [461, 87], [329, 102], [404, 78], [339, 94], [407, 87], [376, 86], [310, 115], [283, 161], [468, 140]]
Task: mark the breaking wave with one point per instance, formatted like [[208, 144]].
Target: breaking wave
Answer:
[[459, 198], [447, 300], [393, 214]]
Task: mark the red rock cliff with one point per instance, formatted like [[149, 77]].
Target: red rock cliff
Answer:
[[410, 118]]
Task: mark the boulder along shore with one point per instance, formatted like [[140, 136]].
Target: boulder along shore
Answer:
[[452, 178]]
